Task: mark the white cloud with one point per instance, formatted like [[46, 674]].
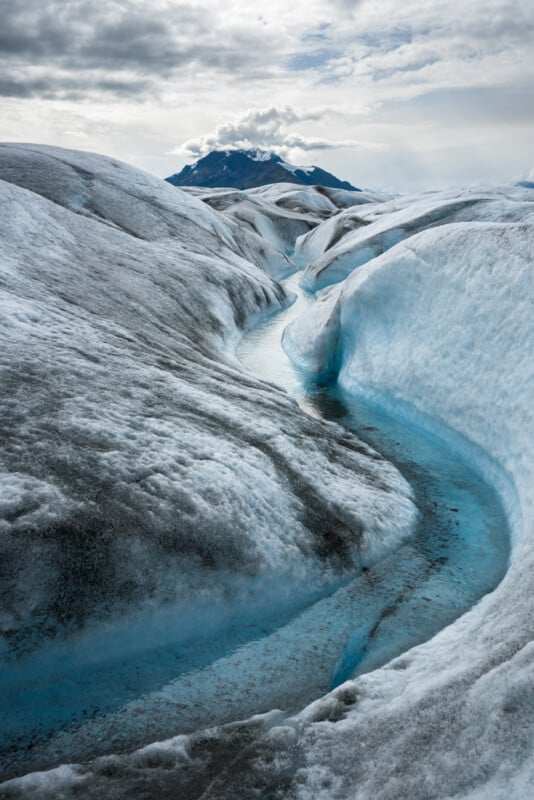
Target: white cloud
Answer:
[[429, 77], [265, 129]]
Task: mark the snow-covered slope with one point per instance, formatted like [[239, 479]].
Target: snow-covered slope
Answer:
[[281, 213], [120, 297], [140, 467], [442, 324], [332, 251], [128, 412]]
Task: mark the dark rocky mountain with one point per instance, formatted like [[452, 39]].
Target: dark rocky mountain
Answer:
[[245, 169]]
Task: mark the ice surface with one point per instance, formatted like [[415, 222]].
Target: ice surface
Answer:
[[129, 412], [143, 472], [353, 238], [442, 324]]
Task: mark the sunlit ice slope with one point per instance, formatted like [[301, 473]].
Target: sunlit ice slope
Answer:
[[440, 328], [334, 249]]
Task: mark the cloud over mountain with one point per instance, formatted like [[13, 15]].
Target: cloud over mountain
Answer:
[[395, 77], [265, 129]]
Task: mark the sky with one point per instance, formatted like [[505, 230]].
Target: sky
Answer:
[[399, 95]]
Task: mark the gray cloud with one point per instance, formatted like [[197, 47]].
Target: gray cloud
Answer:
[[347, 6], [265, 129], [134, 41], [490, 106], [506, 24], [145, 44], [69, 88]]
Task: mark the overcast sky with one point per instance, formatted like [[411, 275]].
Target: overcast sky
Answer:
[[392, 94]]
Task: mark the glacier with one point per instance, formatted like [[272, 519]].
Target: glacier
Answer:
[[155, 490], [152, 491]]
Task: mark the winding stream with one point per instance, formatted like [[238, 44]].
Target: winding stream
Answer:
[[58, 708], [460, 549]]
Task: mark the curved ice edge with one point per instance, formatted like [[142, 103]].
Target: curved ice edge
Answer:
[[68, 776], [470, 452], [472, 455]]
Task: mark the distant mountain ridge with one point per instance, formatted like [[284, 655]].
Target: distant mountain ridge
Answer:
[[246, 169]]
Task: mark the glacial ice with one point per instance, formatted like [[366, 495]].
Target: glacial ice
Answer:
[[144, 475], [126, 299], [441, 325], [333, 250]]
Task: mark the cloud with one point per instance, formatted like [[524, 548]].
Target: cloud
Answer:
[[139, 43], [68, 87], [390, 38], [414, 74], [265, 129], [131, 48], [313, 59]]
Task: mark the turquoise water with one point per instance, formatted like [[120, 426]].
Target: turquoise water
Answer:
[[460, 549], [180, 669]]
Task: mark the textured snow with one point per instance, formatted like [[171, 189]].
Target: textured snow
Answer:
[[120, 298], [266, 155], [128, 406], [284, 194], [355, 237], [267, 219], [280, 213], [442, 324], [141, 468], [294, 169], [260, 155]]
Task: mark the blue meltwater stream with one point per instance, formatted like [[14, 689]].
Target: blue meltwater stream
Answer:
[[66, 703], [459, 551]]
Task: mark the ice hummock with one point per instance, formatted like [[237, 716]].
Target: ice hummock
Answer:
[[348, 240], [442, 325]]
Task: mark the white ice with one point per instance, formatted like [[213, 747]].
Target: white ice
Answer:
[[442, 325], [141, 468], [125, 297]]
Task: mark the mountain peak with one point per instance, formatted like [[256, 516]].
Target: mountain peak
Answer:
[[245, 169]]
